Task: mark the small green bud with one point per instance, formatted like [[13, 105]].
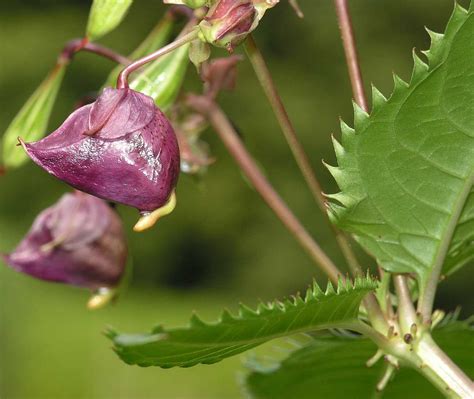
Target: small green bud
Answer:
[[31, 121], [105, 16], [199, 52]]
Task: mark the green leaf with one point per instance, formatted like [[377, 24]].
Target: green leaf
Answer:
[[162, 79], [406, 171], [156, 38], [105, 16], [334, 367], [201, 342], [31, 121]]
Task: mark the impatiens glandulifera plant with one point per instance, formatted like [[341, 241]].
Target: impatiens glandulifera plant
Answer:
[[405, 172]]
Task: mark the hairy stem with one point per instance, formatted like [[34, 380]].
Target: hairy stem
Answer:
[[122, 81], [231, 140], [350, 50]]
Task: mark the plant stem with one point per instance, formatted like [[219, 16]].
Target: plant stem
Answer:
[[406, 311], [122, 81], [76, 45], [441, 371], [350, 50], [264, 77], [231, 140]]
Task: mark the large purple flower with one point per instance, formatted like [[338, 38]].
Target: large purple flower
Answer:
[[78, 241], [120, 148]]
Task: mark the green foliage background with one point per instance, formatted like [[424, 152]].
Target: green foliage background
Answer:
[[222, 244]]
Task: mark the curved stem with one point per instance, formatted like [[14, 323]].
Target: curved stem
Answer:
[[231, 140], [106, 52], [350, 50], [76, 45], [122, 81]]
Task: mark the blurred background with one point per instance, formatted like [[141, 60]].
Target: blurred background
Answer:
[[222, 245]]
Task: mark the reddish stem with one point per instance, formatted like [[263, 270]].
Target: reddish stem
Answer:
[[76, 45], [350, 49], [122, 81]]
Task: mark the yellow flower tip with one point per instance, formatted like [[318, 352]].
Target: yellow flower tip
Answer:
[[149, 220], [101, 298]]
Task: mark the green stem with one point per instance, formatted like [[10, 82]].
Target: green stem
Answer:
[[406, 311], [234, 145], [441, 371]]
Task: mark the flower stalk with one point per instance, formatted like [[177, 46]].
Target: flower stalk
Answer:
[[76, 45], [122, 80], [350, 50], [231, 140]]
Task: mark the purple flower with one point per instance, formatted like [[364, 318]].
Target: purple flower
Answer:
[[228, 22], [78, 241], [120, 148]]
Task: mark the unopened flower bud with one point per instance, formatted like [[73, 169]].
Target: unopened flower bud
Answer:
[[78, 241], [120, 148], [228, 22]]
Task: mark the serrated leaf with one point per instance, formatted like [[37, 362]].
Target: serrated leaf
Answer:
[[162, 79], [31, 121], [156, 38], [207, 343], [406, 174], [334, 367], [105, 16]]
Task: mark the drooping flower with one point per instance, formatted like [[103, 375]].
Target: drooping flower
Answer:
[[120, 148], [78, 241]]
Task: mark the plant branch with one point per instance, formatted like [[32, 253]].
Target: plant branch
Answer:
[[350, 50], [122, 81], [76, 45], [231, 140]]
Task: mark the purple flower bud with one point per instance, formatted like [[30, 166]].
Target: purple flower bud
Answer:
[[120, 148], [228, 22], [78, 241]]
